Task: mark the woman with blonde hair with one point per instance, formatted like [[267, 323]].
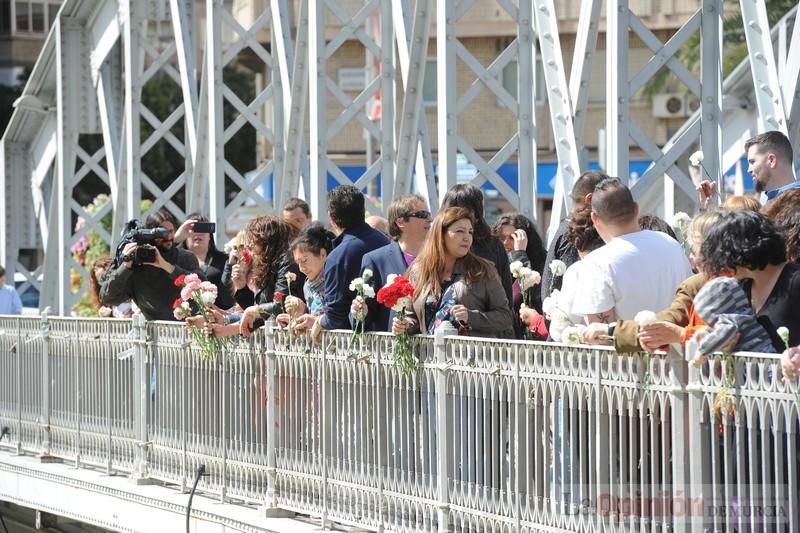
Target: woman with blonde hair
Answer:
[[451, 284]]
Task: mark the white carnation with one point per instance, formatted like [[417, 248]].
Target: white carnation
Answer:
[[681, 220], [557, 268], [645, 318], [515, 267], [356, 284], [208, 297], [368, 291], [550, 303], [390, 279], [367, 274], [783, 333], [571, 335], [402, 303], [696, 159]]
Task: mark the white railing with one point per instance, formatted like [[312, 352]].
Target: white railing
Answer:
[[488, 435]]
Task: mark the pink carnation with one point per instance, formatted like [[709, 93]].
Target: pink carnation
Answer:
[[207, 286], [186, 293], [191, 281]]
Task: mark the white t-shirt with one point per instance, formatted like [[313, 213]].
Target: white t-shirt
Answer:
[[634, 272]]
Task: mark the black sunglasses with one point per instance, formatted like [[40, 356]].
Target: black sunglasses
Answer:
[[419, 214]]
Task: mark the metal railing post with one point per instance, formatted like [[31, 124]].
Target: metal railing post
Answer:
[[444, 442], [141, 387], [699, 444], [270, 366], [680, 432], [44, 421]]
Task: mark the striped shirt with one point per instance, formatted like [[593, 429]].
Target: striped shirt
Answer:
[[723, 305]]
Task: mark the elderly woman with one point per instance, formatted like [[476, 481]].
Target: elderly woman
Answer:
[[452, 284]]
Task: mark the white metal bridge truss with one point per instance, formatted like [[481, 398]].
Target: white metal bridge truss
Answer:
[[82, 116]]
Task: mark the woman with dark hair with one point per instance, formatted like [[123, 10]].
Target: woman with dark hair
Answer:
[[452, 284], [484, 245], [522, 243], [267, 240], [654, 223], [784, 211], [584, 237], [750, 246], [99, 268], [310, 251], [212, 261]]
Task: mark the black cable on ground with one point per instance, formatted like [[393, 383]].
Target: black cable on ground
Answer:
[[201, 471], [5, 431]]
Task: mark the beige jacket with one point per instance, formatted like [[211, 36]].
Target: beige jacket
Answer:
[[489, 312]]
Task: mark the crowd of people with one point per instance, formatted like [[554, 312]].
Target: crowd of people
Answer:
[[726, 280]]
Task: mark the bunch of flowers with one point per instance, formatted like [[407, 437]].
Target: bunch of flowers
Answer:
[[526, 278], [290, 277], [396, 295], [360, 287], [196, 300]]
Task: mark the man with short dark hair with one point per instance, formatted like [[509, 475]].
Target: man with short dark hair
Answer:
[[770, 157], [636, 270], [354, 239], [297, 214], [561, 247], [151, 285]]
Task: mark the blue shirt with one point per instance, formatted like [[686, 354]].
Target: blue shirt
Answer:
[[341, 267], [771, 195], [10, 304]]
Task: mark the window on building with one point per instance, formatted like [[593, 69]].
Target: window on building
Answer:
[[510, 77], [37, 17], [23, 18], [5, 16], [52, 11], [429, 96]]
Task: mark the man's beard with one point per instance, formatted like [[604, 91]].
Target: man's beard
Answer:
[[166, 246], [759, 186]]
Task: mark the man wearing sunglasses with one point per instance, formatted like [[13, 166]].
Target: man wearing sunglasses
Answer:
[[409, 222]]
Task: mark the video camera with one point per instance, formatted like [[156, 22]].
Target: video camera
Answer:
[[142, 237]]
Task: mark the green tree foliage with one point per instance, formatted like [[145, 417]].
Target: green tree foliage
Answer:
[[734, 48]]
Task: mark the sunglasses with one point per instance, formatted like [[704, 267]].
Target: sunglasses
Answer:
[[419, 214]]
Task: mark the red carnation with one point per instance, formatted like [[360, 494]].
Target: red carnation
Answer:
[[246, 258], [390, 294], [177, 303], [278, 297], [179, 280]]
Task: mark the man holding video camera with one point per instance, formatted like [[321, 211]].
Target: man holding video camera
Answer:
[[146, 266]]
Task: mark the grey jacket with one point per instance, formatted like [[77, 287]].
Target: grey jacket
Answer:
[[489, 312], [152, 289]]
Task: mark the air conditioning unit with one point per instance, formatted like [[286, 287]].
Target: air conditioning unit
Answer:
[[669, 105], [352, 79]]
